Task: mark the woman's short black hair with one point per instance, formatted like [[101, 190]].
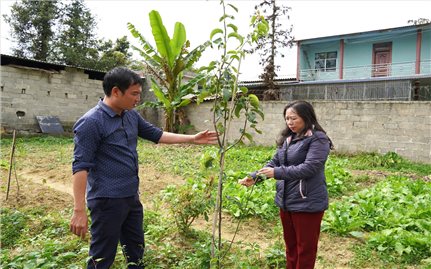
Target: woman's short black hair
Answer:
[[120, 77]]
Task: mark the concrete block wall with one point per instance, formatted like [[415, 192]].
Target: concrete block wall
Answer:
[[354, 126], [67, 94]]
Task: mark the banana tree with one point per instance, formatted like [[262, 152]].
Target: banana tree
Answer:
[[166, 64]]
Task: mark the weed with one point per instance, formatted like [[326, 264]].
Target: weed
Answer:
[[13, 222]]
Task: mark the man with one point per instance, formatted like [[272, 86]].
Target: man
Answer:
[[105, 169]]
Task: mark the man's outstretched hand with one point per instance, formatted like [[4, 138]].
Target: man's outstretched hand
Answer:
[[205, 137]]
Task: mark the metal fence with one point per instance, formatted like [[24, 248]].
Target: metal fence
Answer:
[[399, 90], [402, 69]]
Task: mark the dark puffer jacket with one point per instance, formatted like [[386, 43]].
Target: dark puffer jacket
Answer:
[[299, 172]]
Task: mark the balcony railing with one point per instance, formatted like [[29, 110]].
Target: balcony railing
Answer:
[[368, 71]]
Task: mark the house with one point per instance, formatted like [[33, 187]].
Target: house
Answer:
[[31, 89], [386, 64]]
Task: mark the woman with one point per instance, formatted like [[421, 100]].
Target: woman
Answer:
[[298, 167]]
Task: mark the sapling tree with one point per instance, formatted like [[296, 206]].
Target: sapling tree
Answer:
[[230, 101]]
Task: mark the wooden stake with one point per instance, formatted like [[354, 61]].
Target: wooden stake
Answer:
[[11, 163]]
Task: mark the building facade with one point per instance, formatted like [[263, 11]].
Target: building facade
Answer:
[[386, 64]]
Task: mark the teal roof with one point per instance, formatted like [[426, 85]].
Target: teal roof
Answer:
[[368, 34]]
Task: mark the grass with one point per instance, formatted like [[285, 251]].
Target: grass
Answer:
[[390, 162]]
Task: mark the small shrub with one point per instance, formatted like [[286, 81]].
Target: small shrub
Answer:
[[391, 159], [189, 201]]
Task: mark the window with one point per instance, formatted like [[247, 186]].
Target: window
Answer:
[[325, 61]]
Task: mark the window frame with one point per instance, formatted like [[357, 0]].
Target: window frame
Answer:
[[322, 61]]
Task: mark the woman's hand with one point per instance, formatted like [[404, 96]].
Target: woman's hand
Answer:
[[267, 171], [247, 181]]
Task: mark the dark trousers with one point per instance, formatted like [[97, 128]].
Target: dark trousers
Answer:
[[116, 220], [301, 232]]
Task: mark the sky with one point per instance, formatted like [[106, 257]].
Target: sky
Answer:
[[310, 19]]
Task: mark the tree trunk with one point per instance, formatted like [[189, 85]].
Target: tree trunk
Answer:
[[169, 121]]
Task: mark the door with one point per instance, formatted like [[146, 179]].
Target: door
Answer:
[[382, 59]]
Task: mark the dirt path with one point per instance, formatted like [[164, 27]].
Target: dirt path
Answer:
[[151, 181], [50, 182]]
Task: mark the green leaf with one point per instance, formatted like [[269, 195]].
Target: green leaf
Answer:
[[244, 90], [237, 36], [227, 94], [259, 112], [188, 87], [184, 102], [178, 40], [399, 248], [69, 255], [158, 92], [254, 101], [234, 27], [222, 18], [357, 234], [193, 56], [234, 7], [238, 108], [151, 104], [161, 37], [148, 52], [249, 136], [263, 28], [215, 31]]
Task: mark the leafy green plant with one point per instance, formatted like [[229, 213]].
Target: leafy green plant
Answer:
[[13, 222], [189, 201], [166, 66], [386, 162], [242, 202], [200, 258], [401, 244], [337, 178], [391, 159], [49, 253], [275, 256], [393, 217], [42, 242]]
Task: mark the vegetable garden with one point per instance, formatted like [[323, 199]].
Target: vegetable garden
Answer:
[[379, 215]]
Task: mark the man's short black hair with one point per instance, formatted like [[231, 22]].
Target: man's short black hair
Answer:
[[120, 77]]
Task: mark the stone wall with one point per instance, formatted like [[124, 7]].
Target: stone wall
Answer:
[[66, 94], [354, 126]]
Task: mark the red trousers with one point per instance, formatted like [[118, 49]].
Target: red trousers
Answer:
[[301, 232]]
